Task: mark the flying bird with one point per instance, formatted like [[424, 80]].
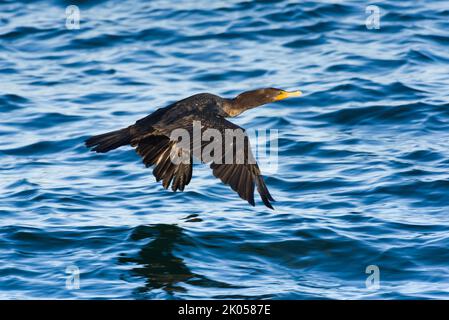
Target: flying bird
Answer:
[[151, 137]]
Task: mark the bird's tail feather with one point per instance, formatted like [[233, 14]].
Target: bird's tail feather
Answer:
[[109, 141]]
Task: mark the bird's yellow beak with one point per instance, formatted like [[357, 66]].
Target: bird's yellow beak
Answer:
[[285, 94]]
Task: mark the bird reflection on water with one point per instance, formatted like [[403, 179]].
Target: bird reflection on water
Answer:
[[158, 263]]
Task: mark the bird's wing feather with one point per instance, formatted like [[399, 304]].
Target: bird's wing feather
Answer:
[[156, 150], [242, 177]]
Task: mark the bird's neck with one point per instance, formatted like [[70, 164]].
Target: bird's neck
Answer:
[[234, 107]]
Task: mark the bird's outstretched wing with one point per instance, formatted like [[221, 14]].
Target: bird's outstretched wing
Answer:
[[236, 168]]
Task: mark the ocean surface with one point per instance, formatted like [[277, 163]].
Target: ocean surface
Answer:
[[362, 183]]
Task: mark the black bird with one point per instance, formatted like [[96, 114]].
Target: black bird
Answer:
[[151, 136]]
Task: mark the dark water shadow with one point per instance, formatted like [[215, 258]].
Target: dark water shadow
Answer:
[[159, 261]]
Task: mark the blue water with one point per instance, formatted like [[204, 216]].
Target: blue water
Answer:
[[363, 175]]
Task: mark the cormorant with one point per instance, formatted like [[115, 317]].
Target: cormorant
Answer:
[[151, 136]]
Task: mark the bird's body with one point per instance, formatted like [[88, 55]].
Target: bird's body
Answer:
[[168, 118], [152, 138]]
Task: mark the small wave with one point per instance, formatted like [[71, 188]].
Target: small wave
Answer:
[[376, 114], [11, 102], [42, 147]]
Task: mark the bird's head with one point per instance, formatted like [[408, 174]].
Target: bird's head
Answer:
[[254, 98]]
